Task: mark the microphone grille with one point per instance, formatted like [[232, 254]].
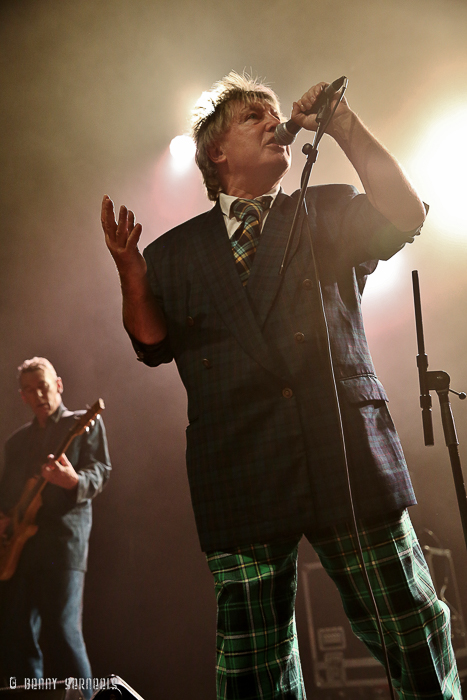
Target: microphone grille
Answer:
[[283, 136]]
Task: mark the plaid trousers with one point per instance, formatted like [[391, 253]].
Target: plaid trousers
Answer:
[[257, 650]]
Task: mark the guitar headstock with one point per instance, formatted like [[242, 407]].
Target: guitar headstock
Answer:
[[87, 418]]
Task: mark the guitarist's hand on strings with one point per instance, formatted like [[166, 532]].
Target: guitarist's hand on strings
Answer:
[[60, 472]]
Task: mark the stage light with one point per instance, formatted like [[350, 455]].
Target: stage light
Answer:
[[182, 150], [386, 278], [439, 166]]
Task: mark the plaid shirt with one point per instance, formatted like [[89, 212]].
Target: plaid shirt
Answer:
[[263, 454]]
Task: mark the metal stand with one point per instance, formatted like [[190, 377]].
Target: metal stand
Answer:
[[323, 118], [439, 382], [311, 152]]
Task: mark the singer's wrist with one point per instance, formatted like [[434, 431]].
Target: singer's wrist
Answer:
[[342, 127]]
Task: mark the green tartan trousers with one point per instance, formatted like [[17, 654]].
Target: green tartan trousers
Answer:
[[257, 649]]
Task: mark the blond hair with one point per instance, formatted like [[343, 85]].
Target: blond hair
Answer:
[[213, 114]]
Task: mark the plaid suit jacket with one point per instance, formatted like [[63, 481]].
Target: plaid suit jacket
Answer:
[[263, 452]]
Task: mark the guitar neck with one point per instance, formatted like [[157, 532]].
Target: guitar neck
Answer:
[[79, 428], [64, 445]]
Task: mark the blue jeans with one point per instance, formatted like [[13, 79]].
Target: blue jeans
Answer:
[[40, 633]]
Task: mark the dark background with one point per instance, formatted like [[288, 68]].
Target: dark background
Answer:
[[92, 93]]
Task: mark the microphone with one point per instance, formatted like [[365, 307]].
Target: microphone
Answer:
[[286, 132]]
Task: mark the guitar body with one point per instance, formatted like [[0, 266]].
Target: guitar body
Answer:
[[22, 527]]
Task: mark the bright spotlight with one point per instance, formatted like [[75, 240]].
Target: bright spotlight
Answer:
[[387, 277], [440, 166], [182, 150]]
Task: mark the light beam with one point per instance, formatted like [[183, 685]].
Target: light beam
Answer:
[[182, 150]]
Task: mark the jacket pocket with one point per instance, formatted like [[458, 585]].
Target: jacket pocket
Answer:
[[365, 387]]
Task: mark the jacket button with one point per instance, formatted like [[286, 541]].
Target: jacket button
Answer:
[[287, 393], [307, 284], [207, 363], [190, 321], [299, 337]]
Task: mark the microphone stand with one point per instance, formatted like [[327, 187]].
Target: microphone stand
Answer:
[[439, 381], [323, 117]]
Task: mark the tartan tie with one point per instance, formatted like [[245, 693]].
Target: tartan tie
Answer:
[[245, 240]]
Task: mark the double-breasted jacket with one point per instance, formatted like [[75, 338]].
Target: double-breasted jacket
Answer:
[[264, 455]]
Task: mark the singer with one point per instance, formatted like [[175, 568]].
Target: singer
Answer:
[[263, 456]]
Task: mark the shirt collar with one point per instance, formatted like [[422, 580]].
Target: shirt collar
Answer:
[[225, 200], [55, 417]]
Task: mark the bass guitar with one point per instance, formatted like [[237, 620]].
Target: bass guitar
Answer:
[[22, 516]]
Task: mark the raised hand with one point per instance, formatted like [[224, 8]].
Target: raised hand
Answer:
[[385, 183], [122, 239], [306, 102], [142, 317]]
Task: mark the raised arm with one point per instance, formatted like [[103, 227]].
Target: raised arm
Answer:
[[383, 179], [142, 317]]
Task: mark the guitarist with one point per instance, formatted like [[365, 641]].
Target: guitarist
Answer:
[[45, 593]]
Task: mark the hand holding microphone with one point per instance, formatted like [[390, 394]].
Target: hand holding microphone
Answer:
[[286, 132]]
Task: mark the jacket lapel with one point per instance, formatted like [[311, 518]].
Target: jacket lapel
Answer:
[[215, 261], [264, 281]]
